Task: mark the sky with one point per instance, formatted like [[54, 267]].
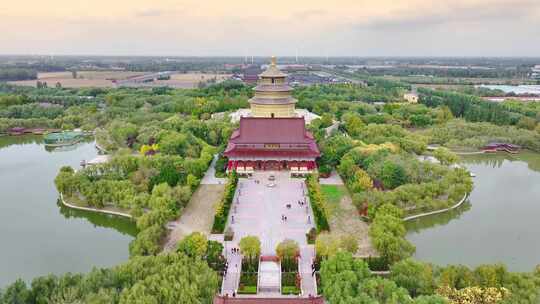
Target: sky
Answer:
[[276, 27]]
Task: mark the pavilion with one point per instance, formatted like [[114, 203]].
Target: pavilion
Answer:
[[273, 137]]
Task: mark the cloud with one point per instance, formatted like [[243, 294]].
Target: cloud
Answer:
[[240, 27], [484, 12], [149, 13]]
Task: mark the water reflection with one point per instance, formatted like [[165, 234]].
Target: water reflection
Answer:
[[500, 224], [38, 236], [496, 160], [419, 224], [121, 224]]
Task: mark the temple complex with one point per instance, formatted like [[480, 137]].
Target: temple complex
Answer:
[[273, 137]]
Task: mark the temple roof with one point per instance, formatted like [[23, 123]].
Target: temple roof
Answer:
[[273, 88], [273, 71], [272, 101], [272, 130], [255, 133]]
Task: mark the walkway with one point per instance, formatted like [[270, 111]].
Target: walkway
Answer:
[[333, 179], [232, 277], [197, 216], [412, 217], [307, 256], [210, 175]]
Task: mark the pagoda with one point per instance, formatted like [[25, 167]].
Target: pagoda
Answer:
[[273, 137], [272, 96]]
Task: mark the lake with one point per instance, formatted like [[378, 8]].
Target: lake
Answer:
[[40, 236], [500, 223], [519, 89]]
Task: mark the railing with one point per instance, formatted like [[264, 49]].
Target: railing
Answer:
[[412, 217]]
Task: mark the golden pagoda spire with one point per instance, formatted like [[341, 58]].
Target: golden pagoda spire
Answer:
[[273, 60]]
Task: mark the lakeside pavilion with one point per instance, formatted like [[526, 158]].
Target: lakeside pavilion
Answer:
[[273, 137]]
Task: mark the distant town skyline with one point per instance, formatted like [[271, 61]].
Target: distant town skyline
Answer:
[[245, 28]]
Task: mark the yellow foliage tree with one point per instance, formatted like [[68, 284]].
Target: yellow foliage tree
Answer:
[[474, 295]]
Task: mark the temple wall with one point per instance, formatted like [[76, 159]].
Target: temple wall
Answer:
[[278, 95], [286, 110]]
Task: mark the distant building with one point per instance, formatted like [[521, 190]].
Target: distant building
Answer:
[[535, 72], [251, 74], [411, 97]]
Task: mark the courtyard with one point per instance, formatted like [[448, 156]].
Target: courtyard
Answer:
[[260, 204], [273, 207]]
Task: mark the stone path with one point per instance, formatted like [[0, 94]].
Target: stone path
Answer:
[[307, 256], [209, 177], [333, 179], [197, 216], [232, 277]]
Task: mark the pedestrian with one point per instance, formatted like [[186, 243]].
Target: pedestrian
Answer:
[[309, 219], [232, 219]]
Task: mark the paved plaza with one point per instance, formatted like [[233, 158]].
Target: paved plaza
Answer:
[[258, 209], [270, 210]]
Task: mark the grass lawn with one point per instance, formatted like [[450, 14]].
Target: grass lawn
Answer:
[[333, 195], [344, 217], [290, 290], [247, 289]]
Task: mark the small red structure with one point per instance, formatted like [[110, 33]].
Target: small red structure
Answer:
[[504, 147]]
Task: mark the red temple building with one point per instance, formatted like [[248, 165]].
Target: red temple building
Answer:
[[274, 138], [272, 144]]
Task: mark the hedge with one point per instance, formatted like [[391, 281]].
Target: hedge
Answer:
[[318, 203], [222, 211]]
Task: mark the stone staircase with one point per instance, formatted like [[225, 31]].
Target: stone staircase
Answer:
[[269, 278]]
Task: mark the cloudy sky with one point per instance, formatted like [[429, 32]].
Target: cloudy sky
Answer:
[[251, 27]]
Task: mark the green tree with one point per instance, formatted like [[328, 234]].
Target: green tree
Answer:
[[288, 250], [341, 274], [445, 156], [250, 247], [194, 245], [414, 276], [393, 175]]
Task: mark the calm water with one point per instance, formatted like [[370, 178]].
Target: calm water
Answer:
[[519, 89], [501, 223], [37, 236]]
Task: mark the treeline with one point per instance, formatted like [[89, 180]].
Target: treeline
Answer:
[[474, 109], [459, 134], [154, 279], [344, 279], [450, 72], [376, 91], [13, 74]]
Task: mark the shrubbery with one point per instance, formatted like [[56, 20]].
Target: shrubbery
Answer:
[[318, 203], [387, 234], [153, 279], [224, 206]]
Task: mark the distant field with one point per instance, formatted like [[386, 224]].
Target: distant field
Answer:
[[453, 81], [189, 80], [104, 79]]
